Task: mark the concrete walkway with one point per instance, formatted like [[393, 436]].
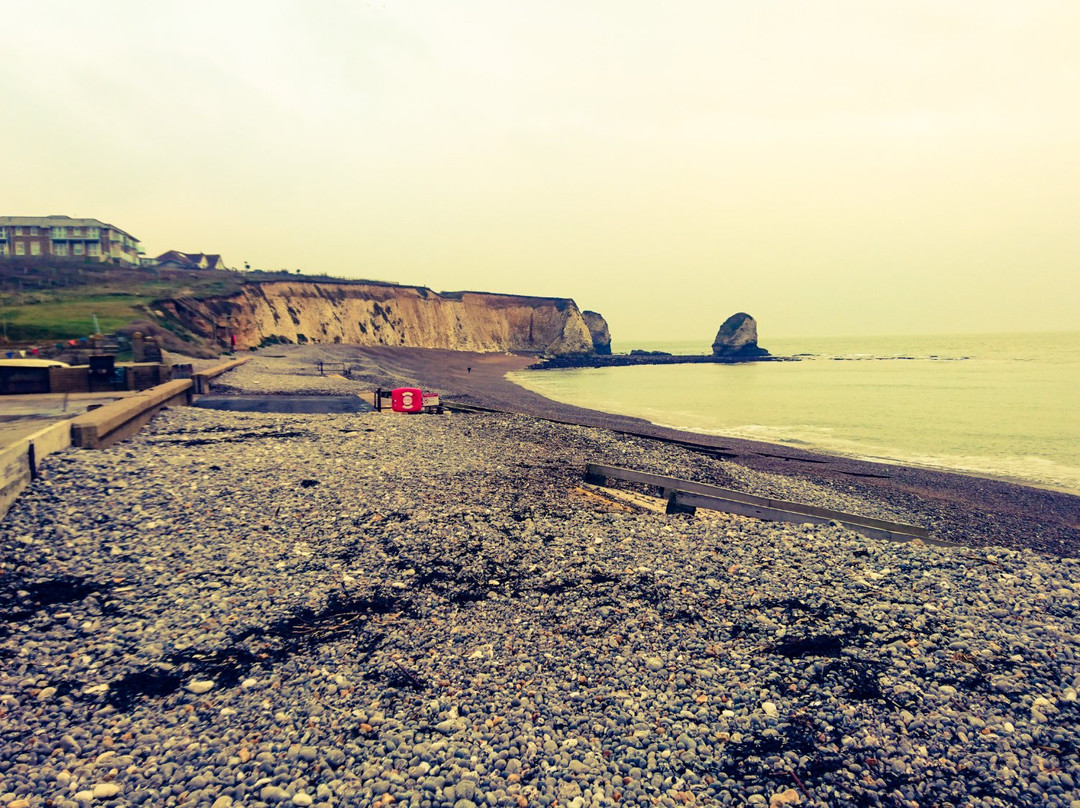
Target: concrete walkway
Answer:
[[23, 415], [285, 404]]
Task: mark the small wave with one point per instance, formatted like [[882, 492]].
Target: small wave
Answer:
[[896, 358], [1024, 469], [978, 420]]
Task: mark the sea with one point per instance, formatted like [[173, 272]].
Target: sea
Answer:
[[996, 405]]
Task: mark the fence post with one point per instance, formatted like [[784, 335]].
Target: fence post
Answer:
[[673, 504]]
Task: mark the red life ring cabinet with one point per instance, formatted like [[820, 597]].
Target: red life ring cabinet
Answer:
[[407, 399]]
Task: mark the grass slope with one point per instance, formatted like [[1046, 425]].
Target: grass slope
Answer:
[[42, 302]]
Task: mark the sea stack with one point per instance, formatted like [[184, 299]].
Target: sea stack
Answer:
[[737, 339], [598, 328]]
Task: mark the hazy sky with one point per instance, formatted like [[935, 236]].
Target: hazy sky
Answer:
[[830, 166]]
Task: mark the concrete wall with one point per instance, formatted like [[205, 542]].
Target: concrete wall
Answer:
[[149, 374], [18, 462], [77, 380], [96, 429], [23, 381], [69, 380], [121, 419], [201, 380]]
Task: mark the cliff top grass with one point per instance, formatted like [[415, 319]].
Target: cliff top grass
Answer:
[[44, 301], [41, 301]]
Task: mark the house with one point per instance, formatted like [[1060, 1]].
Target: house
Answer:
[[174, 259], [64, 237]]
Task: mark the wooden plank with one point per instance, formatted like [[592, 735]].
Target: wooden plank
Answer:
[[596, 470], [789, 457], [687, 500]]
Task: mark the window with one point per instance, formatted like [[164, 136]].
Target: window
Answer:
[[33, 231], [18, 231], [77, 248], [3, 232], [60, 248], [92, 232], [35, 248], [59, 232], [76, 231], [93, 249], [20, 247], [3, 249]]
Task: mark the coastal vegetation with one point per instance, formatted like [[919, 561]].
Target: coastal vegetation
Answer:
[[41, 301], [47, 301], [215, 310]]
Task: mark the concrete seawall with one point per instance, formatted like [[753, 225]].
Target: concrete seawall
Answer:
[[18, 462], [106, 425], [201, 380], [97, 429]]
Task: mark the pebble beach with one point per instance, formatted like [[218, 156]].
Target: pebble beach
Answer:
[[241, 609]]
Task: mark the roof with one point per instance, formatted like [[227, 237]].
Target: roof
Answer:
[[58, 221], [193, 260]]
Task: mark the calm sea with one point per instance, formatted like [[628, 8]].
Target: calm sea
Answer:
[[995, 405]]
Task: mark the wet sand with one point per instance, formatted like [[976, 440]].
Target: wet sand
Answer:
[[960, 507]]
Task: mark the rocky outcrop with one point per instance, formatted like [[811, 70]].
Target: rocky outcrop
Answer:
[[368, 313], [737, 338], [598, 329]]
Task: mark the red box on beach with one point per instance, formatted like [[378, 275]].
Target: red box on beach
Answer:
[[407, 399]]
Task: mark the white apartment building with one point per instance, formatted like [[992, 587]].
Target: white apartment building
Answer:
[[64, 237]]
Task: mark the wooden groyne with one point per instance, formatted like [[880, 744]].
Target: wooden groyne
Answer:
[[685, 496]]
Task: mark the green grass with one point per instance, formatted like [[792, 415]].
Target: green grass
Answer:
[[44, 302], [71, 318], [52, 303]]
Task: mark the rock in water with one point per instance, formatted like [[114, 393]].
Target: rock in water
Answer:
[[598, 329], [737, 338]]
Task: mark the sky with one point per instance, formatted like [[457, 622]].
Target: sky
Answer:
[[832, 167]]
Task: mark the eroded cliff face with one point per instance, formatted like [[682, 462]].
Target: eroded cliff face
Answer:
[[378, 314]]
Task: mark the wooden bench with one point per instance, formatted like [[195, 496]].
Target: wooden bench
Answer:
[[339, 368]]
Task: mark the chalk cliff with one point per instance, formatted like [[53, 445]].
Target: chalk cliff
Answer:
[[365, 313]]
